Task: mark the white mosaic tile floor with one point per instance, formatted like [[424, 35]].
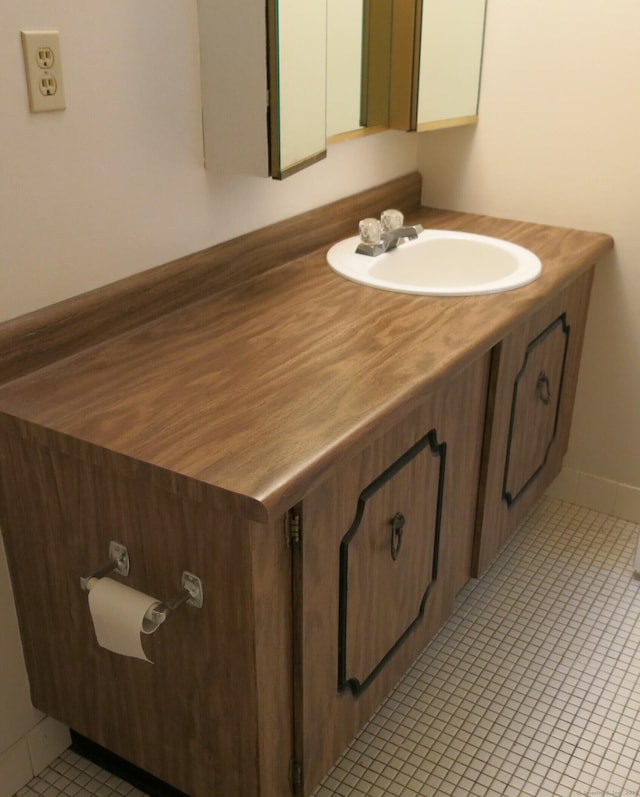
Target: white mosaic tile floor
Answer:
[[73, 776], [532, 688]]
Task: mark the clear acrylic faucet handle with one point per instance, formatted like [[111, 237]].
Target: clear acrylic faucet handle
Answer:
[[370, 231], [391, 219]]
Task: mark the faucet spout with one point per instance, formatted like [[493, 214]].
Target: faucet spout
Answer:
[[389, 240], [395, 237]]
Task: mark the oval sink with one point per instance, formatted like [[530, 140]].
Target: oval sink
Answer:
[[440, 263]]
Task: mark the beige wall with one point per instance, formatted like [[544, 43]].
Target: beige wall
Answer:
[[558, 142], [115, 184]]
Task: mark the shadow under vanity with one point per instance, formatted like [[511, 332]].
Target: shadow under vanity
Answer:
[[334, 462]]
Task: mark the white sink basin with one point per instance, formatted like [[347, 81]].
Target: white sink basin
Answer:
[[440, 263]]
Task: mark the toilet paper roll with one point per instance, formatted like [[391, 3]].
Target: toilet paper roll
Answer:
[[118, 614]]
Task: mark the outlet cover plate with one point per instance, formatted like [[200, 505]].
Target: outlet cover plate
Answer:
[[43, 66]]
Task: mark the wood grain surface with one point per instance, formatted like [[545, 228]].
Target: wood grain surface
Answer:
[[194, 717], [257, 390], [329, 719], [377, 585], [183, 412], [497, 520], [31, 341]]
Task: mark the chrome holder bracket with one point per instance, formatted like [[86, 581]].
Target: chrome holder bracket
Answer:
[[118, 563], [192, 594]]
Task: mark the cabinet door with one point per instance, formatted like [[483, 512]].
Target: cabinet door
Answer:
[[534, 373], [537, 392], [371, 590], [389, 561]]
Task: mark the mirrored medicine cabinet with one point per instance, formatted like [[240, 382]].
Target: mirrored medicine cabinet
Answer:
[[280, 81]]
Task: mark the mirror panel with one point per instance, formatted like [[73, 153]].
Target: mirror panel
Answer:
[[450, 59], [344, 65], [298, 84]]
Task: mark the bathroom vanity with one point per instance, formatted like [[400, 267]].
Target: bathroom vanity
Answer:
[[334, 462]]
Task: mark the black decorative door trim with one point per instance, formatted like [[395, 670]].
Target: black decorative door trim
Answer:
[[542, 391], [438, 450]]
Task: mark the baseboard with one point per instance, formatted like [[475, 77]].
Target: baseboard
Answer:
[[31, 754], [594, 492], [45, 742], [15, 768]]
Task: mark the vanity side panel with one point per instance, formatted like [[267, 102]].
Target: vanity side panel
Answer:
[[190, 718], [497, 520], [330, 719]]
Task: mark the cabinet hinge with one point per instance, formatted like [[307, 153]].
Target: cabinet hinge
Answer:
[[293, 527], [295, 776]]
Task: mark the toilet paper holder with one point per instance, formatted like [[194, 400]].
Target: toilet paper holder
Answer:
[[118, 563], [191, 593]]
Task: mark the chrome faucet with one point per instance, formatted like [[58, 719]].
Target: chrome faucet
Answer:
[[379, 236]]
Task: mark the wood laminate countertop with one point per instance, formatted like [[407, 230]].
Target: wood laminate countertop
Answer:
[[251, 394]]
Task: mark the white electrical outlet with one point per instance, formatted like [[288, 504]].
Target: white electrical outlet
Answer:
[[43, 65]]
